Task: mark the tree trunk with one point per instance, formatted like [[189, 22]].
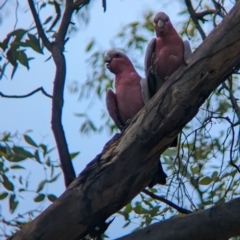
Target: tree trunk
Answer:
[[128, 162]]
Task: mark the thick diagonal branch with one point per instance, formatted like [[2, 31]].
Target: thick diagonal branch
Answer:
[[220, 222], [126, 165]]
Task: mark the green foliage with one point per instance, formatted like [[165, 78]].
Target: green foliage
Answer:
[[14, 183], [14, 48], [15, 45]]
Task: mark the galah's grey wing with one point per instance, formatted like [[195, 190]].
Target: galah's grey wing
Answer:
[[145, 90], [151, 79], [187, 51], [112, 107]]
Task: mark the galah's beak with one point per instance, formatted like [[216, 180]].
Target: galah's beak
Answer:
[[160, 24], [107, 60]]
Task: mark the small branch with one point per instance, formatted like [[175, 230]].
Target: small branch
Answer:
[[169, 203], [66, 20], [56, 48], [80, 3], [231, 147], [104, 5], [4, 3], [16, 14], [232, 141], [194, 18], [201, 15], [58, 15], [40, 30], [58, 90], [26, 95], [233, 100], [220, 9]]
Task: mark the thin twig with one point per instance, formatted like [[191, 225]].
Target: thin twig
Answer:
[[16, 15], [58, 15], [232, 141], [40, 30], [194, 18], [27, 95], [78, 4], [2, 6], [232, 99], [169, 203], [221, 10]]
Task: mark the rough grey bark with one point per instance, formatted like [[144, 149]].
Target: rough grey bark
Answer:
[[127, 163], [220, 222]]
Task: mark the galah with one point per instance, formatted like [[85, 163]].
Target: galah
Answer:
[[131, 90], [130, 96], [164, 55]]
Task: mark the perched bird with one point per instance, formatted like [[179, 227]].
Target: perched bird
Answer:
[[164, 55], [131, 89], [131, 95]]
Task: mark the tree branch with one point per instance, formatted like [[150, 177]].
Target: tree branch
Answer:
[[58, 15], [40, 30], [195, 18], [56, 48], [201, 15], [27, 95], [220, 222], [232, 141], [3, 4], [169, 203], [126, 165], [78, 4], [58, 90], [233, 100], [67, 15], [104, 5]]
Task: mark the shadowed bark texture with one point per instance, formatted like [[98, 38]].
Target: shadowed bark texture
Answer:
[[127, 163], [220, 222]]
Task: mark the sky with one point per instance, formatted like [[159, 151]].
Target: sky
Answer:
[[34, 113]]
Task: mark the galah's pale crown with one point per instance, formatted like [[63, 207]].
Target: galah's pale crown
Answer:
[[117, 62]]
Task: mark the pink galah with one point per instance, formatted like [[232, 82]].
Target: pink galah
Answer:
[[164, 55], [131, 95]]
